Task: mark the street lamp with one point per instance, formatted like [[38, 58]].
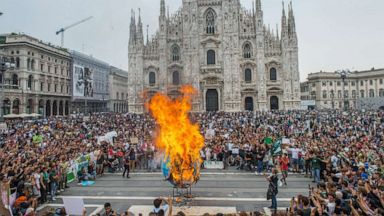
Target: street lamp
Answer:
[[343, 75], [4, 66]]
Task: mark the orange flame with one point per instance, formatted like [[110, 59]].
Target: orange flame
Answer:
[[177, 136]]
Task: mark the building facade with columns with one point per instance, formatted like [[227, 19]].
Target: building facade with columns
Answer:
[[118, 87], [40, 81], [362, 90], [225, 51]]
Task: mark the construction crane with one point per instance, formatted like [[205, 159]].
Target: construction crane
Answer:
[[62, 30]]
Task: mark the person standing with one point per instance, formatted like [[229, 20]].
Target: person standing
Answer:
[[316, 167], [132, 158], [272, 188], [126, 165], [284, 160]]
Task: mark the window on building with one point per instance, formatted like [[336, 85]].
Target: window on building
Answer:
[[324, 94], [55, 70], [49, 87], [353, 94], [324, 83], [370, 82], [210, 20], [175, 78], [61, 88], [30, 81], [67, 89], [49, 69], [346, 94], [346, 83], [28, 64], [41, 86], [55, 87], [362, 93], [248, 75], [175, 53], [42, 67], [352, 83], [33, 63], [361, 83], [152, 78], [330, 83], [247, 51], [381, 92], [332, 94], [273, 74], [371, 93], [117, 95], [62, 71], [17, 62], [211, 57], [15, 81], [339, 94], [381, 81], [338, 83]]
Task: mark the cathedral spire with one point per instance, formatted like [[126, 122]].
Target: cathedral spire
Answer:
[[258, 5], [140, 29], [284, 30], [162, 8], [292, 20], [132, 28]]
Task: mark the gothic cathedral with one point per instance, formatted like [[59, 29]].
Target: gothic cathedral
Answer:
[[225, 51]]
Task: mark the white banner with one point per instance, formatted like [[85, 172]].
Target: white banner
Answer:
[[213, 165]]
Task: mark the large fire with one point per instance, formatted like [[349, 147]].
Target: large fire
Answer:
[[180, 140]]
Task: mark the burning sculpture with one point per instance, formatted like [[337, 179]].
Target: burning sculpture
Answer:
[[180, 140]]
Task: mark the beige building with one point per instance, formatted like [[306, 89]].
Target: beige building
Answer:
[[118, 83], [362, 90], [40, 81]]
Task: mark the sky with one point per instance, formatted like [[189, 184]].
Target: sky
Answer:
[[333, 34]]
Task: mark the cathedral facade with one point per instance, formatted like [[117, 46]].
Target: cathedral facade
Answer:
[[225, 51]]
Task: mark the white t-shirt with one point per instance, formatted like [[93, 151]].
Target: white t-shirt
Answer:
[[164, 207], [295, 152]]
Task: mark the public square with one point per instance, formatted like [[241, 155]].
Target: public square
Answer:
[[191, 108], [240, 190]]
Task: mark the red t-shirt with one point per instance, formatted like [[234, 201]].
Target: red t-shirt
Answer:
[[284, 163]]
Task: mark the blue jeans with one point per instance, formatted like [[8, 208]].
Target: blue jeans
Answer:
[[53, 189], [316, 174], [259, 166], [274, 202]]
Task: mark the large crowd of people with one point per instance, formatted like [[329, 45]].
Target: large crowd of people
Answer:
[[341, 151]]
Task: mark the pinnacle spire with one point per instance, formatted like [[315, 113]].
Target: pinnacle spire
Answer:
[[162, 8], [284, 30], [258, 5]]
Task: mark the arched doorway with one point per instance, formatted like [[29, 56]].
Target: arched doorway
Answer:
[[274, 103], [249, 103], [61, 108], [16, 106], [6, 106], [30, 106], [66, 108], [48, 108], [212, 100], [41, 107], [54, 108]]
